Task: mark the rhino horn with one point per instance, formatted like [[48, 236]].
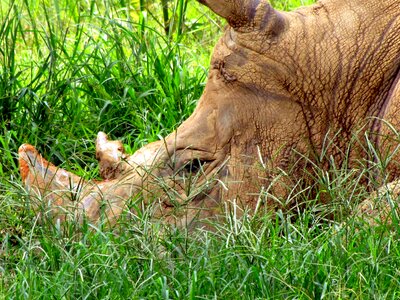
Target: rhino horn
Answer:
[[248, 15]]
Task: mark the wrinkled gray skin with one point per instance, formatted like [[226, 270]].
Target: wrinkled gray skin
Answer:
[[281, 86]]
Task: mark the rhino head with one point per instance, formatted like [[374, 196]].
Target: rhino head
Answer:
[[280, 85]]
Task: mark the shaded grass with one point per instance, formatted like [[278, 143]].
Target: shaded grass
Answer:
[[245, 258], [71, 69]]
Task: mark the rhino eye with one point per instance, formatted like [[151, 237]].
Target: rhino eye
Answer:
[[194, 166]]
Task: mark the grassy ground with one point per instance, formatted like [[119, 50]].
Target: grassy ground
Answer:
[[72, 68]]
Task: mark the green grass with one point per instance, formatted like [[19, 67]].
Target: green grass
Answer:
[[135, 70]]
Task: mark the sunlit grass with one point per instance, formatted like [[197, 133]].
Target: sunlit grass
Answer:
[[70, 69]]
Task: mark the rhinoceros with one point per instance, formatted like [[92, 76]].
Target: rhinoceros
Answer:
[[283, 88]]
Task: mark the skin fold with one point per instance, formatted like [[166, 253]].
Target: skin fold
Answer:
[[282, 87]]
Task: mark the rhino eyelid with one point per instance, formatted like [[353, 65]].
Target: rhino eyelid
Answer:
[[200, 150]]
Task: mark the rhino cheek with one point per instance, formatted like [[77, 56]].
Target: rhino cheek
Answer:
[[211, 125]]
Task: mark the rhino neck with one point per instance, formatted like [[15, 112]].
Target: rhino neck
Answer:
[[351, 65], [339, 62]]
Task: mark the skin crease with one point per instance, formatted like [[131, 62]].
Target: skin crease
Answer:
[[280, 86]]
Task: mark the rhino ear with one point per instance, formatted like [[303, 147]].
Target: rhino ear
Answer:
[[223, 8], [248, 15]]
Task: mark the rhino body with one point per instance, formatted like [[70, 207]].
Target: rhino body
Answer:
[[282, 86]]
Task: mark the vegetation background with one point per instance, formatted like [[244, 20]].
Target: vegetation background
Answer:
[[135, 70]]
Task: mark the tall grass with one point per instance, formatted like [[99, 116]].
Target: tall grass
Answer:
[[135, 70], [70, 70]]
